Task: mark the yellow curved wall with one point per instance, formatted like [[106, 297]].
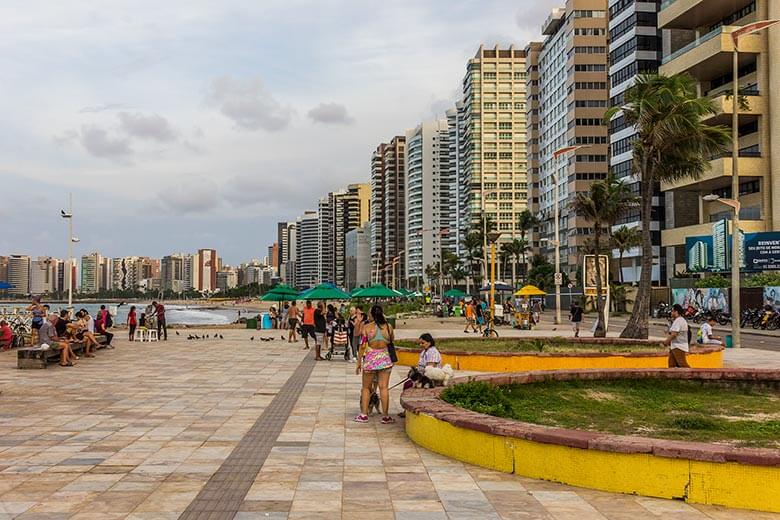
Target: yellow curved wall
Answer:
[[524, 362], [726, 484]]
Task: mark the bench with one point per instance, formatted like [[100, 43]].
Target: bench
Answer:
[[34, 357]]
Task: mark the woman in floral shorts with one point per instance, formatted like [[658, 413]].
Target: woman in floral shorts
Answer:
[[374, 360]]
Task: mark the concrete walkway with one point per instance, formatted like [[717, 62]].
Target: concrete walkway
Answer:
[[147, 431]]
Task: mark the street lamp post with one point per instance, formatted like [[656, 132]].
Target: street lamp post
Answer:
[[561, 152], [484, 229], [734, 202], [71, 240], [494, 236]]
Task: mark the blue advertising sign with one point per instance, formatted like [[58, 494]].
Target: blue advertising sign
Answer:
[[713, 253]]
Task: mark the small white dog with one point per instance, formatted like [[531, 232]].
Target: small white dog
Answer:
[[441, 375]]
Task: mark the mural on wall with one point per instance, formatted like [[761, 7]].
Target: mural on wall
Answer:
[[711, 299], [772, 296]]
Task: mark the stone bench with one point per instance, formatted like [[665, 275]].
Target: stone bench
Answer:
[[35, 357]]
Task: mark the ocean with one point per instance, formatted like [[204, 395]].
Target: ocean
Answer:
[[175, 314]]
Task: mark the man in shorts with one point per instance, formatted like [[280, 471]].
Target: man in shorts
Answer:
[[307, 327], [575, 316], [292, 322]]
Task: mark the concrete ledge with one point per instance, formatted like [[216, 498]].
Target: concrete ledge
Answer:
[[699, 357], [693, 471]]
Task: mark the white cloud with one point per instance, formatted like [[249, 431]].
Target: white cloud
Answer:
[[330, 113], [152, 127], [99, 143], [248, 104], [196, 195]]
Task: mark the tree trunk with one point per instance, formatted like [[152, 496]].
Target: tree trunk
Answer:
[[637, 326], [601, 331], [620, 266]]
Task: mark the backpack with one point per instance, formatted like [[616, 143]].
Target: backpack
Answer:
[[109, 320]]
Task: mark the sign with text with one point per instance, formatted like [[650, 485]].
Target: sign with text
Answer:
[[713, 253]]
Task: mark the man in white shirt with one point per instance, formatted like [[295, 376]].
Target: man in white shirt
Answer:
[[706, 337], [677, 341]]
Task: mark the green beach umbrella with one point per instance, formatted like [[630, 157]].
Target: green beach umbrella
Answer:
[[454, 293], [376, 291], [283, 288], [324, 292], [278, 297]]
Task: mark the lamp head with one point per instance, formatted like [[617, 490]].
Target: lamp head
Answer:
[[711, 197], [493, 236]]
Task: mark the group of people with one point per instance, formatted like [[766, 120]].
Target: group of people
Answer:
[[153, 316], [61, 330], [679, 338]]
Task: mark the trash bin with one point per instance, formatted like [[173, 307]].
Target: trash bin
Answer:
[[457, 311], [729, 341], [266, 321], [251, 323], [391, 321]]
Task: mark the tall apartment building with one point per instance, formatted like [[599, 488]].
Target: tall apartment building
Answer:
[[572, 96], [388, 209], [92, 273], [307, 240], [3, 268], [208, 266], [427, 173], [492, 161], [172, 272], [19, 274], [273, 255], [326, 222], [281, 240], [358, 257], [288, 270], [43, 275], [352, 209], [453, 191], [634, 48], [697, 40]]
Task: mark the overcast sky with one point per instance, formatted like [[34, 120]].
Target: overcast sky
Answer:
[[186, 124]]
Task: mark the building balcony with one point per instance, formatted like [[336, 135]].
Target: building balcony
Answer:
[[751, 166], [685, 14], [725, 109], [710, 55], [677, 236]]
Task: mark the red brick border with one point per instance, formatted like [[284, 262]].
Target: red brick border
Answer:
[[428, 401]]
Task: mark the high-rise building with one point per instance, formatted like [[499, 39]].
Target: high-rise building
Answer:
[[19, 274], [572, 96], [377, 239], [43, 275], [208, 265], [492, 162], [697, 40], [281, 239], [451, 206], [273, 255], [288, 271], [307, 240], [91, 273], [326, 221], [427, 157], [227, 279], [351, 210], [697, 257], [358, 257], [3, 268], [172, 272], [634, 48]]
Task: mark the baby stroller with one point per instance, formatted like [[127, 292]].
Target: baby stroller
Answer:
[[340, 339]]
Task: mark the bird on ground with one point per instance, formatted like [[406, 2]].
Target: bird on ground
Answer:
[[195, 336], [189, 337], [220, 336], [177, 333], [214, 336], [252, 338]]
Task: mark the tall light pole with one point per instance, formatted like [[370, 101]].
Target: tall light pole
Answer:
[[561, 152], [68, 215], [484, 230], [494, 236], [735, 263]]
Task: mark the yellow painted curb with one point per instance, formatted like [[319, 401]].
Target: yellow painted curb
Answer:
[[529, 362]]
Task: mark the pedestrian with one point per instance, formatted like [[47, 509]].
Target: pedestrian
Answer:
[[537, 311], [320, 331], [471, 319], [575, 317], [355, 330], [374, 360], [292, 322], [479, 313], [38, 317], [330, 321], [102, 328], [132, 322], [307, 329], [677, 340], [162, 326]]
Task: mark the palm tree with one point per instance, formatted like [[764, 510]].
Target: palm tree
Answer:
[[526, 222], [623, 239], [472, 243], [672, 144], [602, 204]]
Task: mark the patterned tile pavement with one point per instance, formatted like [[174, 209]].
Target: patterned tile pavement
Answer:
[[139, 433]]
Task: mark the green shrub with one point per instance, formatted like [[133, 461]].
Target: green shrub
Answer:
[[479, 396], [763, 280], [693, 422], [714, 281]]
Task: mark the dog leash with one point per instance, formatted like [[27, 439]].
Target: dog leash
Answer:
[[400, 383]]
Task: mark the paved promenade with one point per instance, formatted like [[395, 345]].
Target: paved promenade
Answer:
[[252, 430]]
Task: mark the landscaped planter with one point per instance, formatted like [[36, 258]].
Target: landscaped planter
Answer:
[[654, 357], [693, 471]]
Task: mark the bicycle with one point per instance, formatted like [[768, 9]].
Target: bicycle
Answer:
[[490, 330]]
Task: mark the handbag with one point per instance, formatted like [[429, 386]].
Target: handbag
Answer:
[[391, 351]]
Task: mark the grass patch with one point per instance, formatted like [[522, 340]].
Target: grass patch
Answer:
[[666, 409], [549, 345]]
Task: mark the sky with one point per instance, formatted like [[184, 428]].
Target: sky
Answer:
[[180, 125]]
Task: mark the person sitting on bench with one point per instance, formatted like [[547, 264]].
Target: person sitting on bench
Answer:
[[48, 335], [82, 333], [6, 335]]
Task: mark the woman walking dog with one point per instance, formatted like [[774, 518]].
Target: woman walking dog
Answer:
[[374, 359]]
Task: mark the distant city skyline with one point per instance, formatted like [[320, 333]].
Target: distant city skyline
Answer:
[[201, 134]]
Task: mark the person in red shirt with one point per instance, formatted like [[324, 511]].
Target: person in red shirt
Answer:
[[6, 335], [162, 327], [132, 322], [308, 324]]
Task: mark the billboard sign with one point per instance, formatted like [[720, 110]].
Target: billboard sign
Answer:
[[713, 253], [589, 272]]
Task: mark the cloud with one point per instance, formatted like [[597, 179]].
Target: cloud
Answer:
[[195, 195], [103, 108], [330, 114], [153, 127], [66, 137], [248, 104], [99, 143]]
